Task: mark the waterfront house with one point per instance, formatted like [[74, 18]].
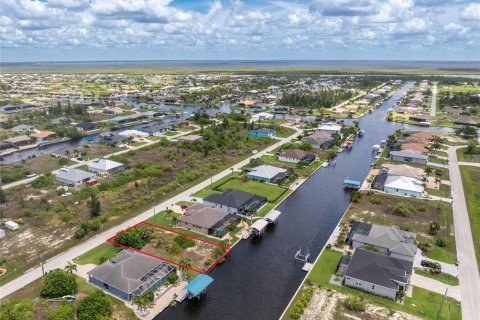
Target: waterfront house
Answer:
[[409, 156], [86, 126], [157, 130], [296, 156], [20, 141], [133, 133], [262, 116], [44, 136], [73, 177], [465, 121], [235, 201], [378, 274], [330, 128], [403, 186], [105, 167], [130, 274], [112, 140], [262, 133], [207, 220], [23, 128], [414, 146], [267, 173], [319, 139], [403, 170], [387, 240]]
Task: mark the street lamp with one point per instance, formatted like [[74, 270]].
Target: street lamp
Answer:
[[43, 270]]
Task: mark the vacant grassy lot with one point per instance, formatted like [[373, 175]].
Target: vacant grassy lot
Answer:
[[471, 187], [423, 303], [463, 157], [417, 219], [19, 170], [51, 223], [269, 191], [198, 255]]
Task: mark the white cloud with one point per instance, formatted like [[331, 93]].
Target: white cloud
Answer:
[[472, 12]]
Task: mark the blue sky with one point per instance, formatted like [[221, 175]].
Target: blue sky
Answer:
[[62, 30]]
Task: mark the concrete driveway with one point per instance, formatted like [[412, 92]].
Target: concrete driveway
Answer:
[[451, 269]]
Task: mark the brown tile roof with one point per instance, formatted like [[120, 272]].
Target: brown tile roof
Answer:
[[414, 146]]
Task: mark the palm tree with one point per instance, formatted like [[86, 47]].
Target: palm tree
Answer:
[[428, 171], [70, 267], [184, 265]]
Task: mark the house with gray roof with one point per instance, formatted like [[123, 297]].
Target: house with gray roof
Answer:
[[387, 240], [412, 156], [22, 128], [377, 273], [235, 201], [105, 167], [207, 220], [130, 274], [267, 173], [73, 177]]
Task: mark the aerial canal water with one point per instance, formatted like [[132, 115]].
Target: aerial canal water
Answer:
[[258, 279]]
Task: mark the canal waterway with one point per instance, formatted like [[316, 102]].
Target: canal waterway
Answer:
[[258, 279]]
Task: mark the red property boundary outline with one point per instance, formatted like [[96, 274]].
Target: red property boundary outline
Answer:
[[111, 240]]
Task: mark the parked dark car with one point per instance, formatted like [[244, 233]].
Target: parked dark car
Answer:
[[431, 264]]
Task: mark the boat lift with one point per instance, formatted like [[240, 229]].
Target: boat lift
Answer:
[[272, 216], [302, 256], [351, 184], [258, 228]]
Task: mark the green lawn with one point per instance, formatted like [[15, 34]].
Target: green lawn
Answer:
[[471, 187], [444, 191], [423, 303], [95, 256], [468, 157], [437, 160], [444, 277], [269, 206], [270, 191], [211, 188]]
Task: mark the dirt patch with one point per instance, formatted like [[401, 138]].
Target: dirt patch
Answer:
[[330, 305]]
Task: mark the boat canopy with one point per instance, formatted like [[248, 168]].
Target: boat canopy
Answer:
[[198, 285], [351, 182], [272, 216]]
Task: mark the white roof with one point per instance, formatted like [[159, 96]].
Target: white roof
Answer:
[[266, 171], [74, 175], [259, 225], [329, 127], [131, 132], [104, 164], [404, 183], [265, 115]]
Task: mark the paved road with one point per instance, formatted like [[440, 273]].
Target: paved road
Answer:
[[433, 108], [60, 260], [473, 164], [468, 269]]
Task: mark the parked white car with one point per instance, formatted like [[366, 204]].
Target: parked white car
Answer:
[[31, 175]]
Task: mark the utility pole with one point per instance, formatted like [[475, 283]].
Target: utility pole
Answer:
[[441, 305]]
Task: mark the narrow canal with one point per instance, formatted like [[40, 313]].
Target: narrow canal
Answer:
[[258, 280]]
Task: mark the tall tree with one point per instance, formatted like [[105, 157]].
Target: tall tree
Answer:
[[94, 205]]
